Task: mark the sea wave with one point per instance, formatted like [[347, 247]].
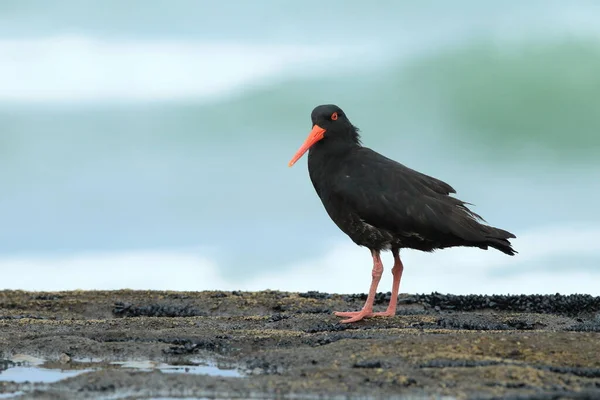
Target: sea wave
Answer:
[[510, 94], [529, 91], [71, 68], [512, 98], [344, 268]]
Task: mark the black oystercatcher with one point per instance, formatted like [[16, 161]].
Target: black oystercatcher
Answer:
[[384, 205]]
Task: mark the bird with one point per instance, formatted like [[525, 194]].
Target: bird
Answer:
[[384, 205]]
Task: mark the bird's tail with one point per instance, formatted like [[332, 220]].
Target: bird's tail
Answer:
[[472, 228], [498, 239]]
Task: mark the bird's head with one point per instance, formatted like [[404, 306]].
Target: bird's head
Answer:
[[329, 123]]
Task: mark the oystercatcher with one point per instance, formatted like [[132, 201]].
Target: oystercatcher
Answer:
[[383, 205]]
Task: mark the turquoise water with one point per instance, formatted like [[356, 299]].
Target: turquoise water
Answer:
[[144, 145]]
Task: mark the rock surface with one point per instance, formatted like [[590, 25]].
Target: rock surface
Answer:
[[290, 345]]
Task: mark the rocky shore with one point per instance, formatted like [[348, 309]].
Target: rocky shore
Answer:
[[145, 344]]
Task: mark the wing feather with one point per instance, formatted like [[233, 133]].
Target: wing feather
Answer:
[[391, 196]]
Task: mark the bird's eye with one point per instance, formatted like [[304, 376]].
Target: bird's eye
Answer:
[[334, 116]]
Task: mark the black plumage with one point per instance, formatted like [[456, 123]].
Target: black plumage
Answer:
[[382, 204]]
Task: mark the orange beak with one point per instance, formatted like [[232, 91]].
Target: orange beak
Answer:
[[313, 137]]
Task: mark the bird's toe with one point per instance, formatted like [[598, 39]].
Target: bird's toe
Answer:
[[384, 314], [356, 318], [347, 313], [358, 315], [354, 315]]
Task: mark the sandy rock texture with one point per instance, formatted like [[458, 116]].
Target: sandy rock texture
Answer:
[[289, 345]]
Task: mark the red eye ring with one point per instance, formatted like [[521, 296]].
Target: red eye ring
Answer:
[[334, 116]]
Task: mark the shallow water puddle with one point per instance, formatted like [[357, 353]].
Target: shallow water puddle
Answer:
[[23, 368], [209, 369], [179, 398], [37, 374], [202, 370], [10, 395]]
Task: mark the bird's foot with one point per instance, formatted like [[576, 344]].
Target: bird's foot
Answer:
[[358, 315]]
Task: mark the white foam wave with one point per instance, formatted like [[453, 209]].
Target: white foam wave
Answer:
[[344, 269], [460, 270], [71, 68]]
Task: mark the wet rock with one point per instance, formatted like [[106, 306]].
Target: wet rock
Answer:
[[47, 296], [280, 308], [585, 326], [458, 363], [22, 317], [559, 394], [578, 371], [478, 324], [574, 304], [261, 366], [277, 317], [327, 327], [186, 346], [380, 298], [404, 381], [524, 325], [315, 295], [6, 364], [325, 340], [156, 310], [305, 351], [64, 358], [368, 364], [314, 310]]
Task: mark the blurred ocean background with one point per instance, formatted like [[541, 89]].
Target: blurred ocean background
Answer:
[[144, 144]]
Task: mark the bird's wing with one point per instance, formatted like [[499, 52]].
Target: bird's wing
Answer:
[[389, 195]]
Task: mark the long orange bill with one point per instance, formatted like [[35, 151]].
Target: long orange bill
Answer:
[[313, 137]]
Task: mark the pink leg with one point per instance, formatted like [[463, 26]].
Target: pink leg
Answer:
[[367, 309], [397, 273]]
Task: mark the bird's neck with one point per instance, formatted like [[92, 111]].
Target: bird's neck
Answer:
[[339, 141], [329, 153]]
